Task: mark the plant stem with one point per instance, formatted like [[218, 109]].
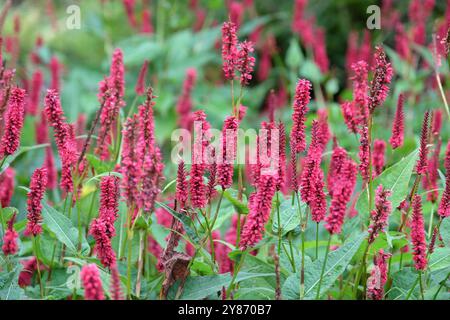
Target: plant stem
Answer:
[[412, 288], [36, 249], [140, 263], [317, 240], [421, 285], [236, 271], [279, 225], [323, 267]]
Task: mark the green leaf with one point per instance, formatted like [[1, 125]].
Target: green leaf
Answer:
[[445, 231], [185, 220], [289, 216], [402, 282], [294, 56], [9, 287], [336, 265], [196, 288], [440, 259], [240, 206], [395, 178], [63, 228], [98, 165]]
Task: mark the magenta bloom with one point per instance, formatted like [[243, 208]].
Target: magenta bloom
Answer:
[[109, 202], [229, 144], [99, 229], [437, 122], [281, 157], [245, 62], [150, 155], [444, 205], [116, 287], [140, 84], [312, 176], [90, 277], [35, 92], [380, 214], [364, 151], [130, 166], [301, 100], [182, 186], [14, 122], [26, 275], [38, 184], [184, 103], [337, 161], [117, 74], [7, 186], [129, 6], [421, 167], [146, 25], [378, 156], [55, 70], [229, 49], [10, 237], [350, 118], [360, 91], [320, 50], [402, 43], [343, 186], [379, 87], [418, 235], [378, 276], [398, 125], [64, 136], [260, 204]]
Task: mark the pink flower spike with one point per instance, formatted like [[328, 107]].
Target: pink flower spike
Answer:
[[398, 125], [378, 157], [378, 276], [245, 62], [300, 109], [380, 214], [90, 277], [10, 237], [418, 235], [38, 184], [229, 49], [14, 122], [260, 204], [140, 84], [379, 87], [422, 163]]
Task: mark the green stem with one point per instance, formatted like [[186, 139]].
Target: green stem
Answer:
[[421, 285], [317, 240], [323, 267], [236, 271], [413, 287], [35, 250], [279, 225]]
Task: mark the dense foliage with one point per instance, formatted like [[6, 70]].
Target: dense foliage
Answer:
[[341, 189]]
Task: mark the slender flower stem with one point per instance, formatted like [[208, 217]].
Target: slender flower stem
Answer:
[[413, 287], [317, 240], [441, 91], [36, 250], [236, 271], [323, 267], [421, 285], [279, 225], [140, 263]]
